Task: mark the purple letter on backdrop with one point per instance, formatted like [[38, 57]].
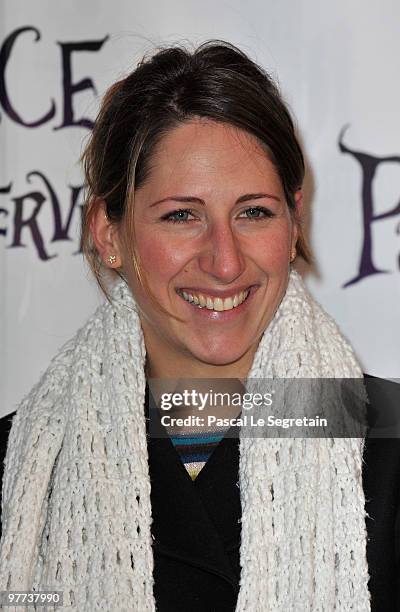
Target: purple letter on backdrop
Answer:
[[369, 165]]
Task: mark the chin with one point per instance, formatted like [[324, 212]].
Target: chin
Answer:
[[220, 357]]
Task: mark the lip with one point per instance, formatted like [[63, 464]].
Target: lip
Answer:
[[224, 315]]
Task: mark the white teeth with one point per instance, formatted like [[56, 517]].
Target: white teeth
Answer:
[[228, 304], [217, 304]]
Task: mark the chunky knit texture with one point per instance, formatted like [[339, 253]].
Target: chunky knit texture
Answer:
[[76, 489]]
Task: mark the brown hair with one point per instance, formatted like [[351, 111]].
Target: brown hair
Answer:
[[216, 81]]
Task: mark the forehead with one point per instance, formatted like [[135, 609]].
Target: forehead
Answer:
[[202, 150]]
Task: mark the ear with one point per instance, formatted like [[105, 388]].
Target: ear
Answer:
[[297, 217], [298, 198], [105, 237]]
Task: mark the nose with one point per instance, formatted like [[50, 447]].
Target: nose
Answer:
[[221, 256]]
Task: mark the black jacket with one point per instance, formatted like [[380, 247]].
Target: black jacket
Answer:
[[196, 525]]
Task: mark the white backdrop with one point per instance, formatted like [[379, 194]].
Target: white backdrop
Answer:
[[337, 65]]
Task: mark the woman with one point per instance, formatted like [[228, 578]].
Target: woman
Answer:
[[194, 175]]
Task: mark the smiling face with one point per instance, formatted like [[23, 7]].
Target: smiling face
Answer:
[[214, 236]]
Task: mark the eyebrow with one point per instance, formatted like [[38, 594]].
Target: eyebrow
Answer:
[[244, 198]]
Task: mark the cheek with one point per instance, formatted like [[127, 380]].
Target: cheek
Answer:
[[162, 258], [271, 251]]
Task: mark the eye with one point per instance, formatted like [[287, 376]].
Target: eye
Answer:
[[178, 216], [257, 212]]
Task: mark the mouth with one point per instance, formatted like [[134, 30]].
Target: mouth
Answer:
[[203, 300]]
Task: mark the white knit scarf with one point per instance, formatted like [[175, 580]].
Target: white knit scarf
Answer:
[[76, 490]]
